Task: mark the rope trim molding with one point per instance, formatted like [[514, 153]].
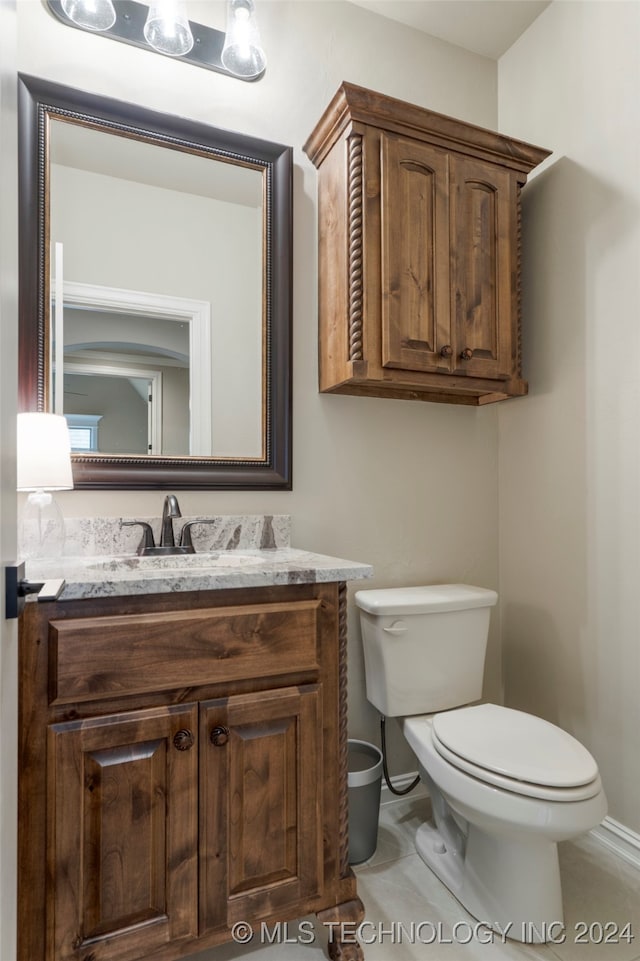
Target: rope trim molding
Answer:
[[355, 192]]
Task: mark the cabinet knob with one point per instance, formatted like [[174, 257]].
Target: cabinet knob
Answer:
[[219, 735], [446, 351], [183, 740], [466, 354]]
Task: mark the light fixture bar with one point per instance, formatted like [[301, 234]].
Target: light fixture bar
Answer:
[[131, 17]]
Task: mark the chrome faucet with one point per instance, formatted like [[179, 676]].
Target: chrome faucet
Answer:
[[169, 511]]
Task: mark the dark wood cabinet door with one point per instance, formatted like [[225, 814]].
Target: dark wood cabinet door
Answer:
[[483, 245], [261, 815], [122, 834], [415, 255]]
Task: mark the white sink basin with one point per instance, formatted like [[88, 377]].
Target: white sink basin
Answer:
[[178, 562]]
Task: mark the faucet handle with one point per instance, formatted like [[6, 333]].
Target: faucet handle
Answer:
[[147, 542], [185, 533]]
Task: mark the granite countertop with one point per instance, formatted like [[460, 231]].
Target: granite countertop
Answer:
[[231, 551], [104, 576]]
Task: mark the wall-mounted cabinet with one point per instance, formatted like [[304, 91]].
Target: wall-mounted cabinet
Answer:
[[419, 240]]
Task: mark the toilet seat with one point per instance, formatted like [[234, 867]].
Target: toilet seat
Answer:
[[517, 752]]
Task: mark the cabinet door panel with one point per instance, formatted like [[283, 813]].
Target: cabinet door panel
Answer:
[[260, 815], [484, 272], [415, 261], [122, 834]]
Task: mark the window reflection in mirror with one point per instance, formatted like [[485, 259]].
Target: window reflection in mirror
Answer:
[[158, 254]]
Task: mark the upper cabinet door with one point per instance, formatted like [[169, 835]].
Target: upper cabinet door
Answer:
[[123, 834], [415, 255], [483, 243]]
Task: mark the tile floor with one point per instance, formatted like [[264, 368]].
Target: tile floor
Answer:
[[410, 916]]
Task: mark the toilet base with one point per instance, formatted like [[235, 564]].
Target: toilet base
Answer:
[[511, 884]]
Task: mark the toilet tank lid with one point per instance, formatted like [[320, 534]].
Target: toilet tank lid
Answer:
[[425, 600]]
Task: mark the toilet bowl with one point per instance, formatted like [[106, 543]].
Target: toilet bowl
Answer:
[[505, 786], [494, 838]]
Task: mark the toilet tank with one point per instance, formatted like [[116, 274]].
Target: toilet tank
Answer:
[[424, 647]]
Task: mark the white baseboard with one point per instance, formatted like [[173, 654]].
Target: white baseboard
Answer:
[[619, 839]]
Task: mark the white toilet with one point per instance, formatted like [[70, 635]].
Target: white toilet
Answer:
[[505, 786]]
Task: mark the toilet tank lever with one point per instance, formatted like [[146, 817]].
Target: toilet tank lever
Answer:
[[398, 627]]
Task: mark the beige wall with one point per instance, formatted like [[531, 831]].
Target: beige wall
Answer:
[[570, 453], [409, 487]]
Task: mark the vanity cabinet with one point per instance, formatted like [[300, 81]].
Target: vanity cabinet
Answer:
[[419, 252], [182, 768]]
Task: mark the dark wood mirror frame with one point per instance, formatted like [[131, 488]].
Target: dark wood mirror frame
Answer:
[[39, 100]]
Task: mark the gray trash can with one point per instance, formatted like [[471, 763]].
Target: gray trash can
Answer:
[[364, 783]]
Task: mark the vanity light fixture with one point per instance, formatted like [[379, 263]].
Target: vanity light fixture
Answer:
[[43, 465], [167, 28], [90, 14], [242, 54], [163, 26]]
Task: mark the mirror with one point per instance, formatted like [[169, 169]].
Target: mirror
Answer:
[[155, 297]]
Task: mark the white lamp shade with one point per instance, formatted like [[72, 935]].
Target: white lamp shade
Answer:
[[44, 453]]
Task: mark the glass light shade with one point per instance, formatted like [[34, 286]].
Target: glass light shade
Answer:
[[242, 53], [92, 14], [167, 28]]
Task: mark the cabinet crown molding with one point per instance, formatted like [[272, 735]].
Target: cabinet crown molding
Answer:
[[353, 104]]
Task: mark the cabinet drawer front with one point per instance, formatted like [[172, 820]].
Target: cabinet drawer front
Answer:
[[100, 657]]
